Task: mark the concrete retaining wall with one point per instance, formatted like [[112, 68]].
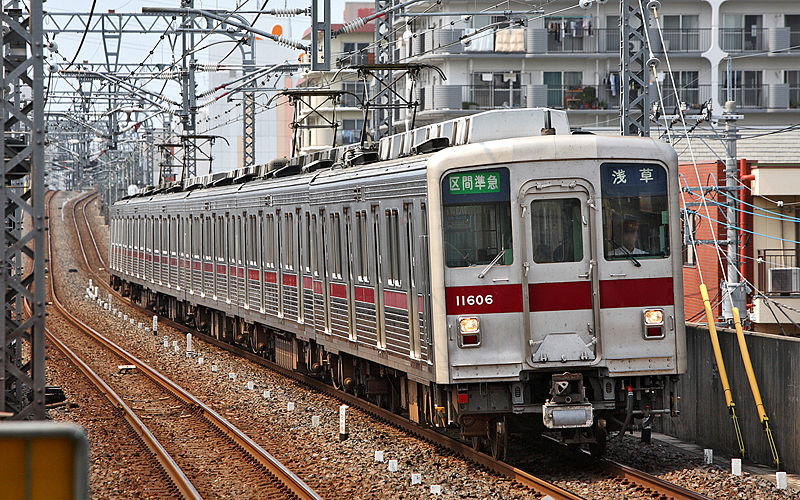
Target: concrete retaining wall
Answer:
[[704, 417]]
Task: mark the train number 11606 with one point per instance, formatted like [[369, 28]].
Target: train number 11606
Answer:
[[473, 300]]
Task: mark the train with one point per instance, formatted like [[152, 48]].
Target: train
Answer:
[[488, 273]]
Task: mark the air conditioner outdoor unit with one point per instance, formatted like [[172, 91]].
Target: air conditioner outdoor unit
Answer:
[[784, 279]]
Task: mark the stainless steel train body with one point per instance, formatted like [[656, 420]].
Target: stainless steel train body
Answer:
[[534, 279]]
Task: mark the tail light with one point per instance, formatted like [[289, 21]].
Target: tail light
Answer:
[[469, 331], [653, 320]]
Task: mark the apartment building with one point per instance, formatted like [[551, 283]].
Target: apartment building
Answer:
[[325, 120], [570, 59], [769, 219]]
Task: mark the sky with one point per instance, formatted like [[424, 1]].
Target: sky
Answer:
[[135, 47]]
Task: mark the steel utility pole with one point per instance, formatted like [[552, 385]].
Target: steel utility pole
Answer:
[[22, 388], [633, 78], [735, 289]]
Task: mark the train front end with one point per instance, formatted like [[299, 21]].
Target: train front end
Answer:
[[557, 290]]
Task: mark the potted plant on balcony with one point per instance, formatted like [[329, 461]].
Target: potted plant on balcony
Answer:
[[589, 97]]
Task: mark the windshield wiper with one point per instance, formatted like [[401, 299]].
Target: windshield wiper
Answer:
[[628, 254], [491, 264]]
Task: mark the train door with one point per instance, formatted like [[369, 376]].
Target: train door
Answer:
[[424, 284], [559, 250], [380, 329], [321, 286], [348, 272], [308, 274], [411, 280], [279, 260]]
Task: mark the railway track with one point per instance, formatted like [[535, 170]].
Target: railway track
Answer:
[[188, 422], [642, 482]]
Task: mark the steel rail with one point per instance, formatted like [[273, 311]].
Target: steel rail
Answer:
[[173, 471], [292, 482], [652, 483], [665, 488], [501, 468]]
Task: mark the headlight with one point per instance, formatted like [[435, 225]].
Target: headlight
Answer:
[[468, 325], [469, 329], [653, 317]]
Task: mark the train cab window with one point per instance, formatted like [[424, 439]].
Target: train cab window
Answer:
[[476, 216], [557, 230], [635, 211]]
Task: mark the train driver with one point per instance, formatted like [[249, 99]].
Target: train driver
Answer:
[[630, 235]]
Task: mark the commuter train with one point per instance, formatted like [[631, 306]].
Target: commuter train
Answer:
[[492, 272]]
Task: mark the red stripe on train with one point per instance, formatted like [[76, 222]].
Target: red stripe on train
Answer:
[[270, 276], [637, 293], [493, 299], [290, 279], [365, 294], [307, 282], [395, 299], [564, 296], [338, 290], [319, 287]]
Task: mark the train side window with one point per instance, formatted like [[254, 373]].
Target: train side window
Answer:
[[336, 247], [313, 243], [476, 218], [288, 219], [270, 240], [393, 251], [362, 240], [635, 211], [307, 249], [557, 230]]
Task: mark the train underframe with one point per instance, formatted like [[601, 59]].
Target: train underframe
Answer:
[[579, 408]]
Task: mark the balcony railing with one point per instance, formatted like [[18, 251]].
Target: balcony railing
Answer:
[[747, 97], [685, 40], [743, 40], [471, 97], [581, 40], [794, 41], [693, 97], [779, 271]]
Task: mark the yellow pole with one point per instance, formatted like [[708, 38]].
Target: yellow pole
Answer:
[[712, 331], [751, 377], [723, 375]]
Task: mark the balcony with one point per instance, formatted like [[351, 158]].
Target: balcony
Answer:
[[693, 97], [779, 272], [772, 96], [579, 40], [471, 97], [743, 39], [684, 40]]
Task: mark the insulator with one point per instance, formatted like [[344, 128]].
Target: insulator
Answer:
[[352, 25], [289, 43], [286, 12]]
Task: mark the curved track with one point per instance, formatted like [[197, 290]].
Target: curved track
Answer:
[[643, 481], [281, 481]]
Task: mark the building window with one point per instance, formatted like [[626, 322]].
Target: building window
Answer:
[[564, 89], [746, 88], [742, 33], [494, 90], [681, 33], [351, 131], [792, 78]]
